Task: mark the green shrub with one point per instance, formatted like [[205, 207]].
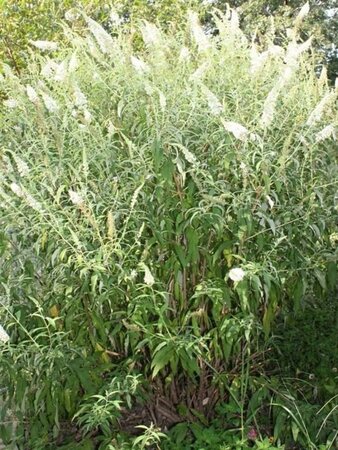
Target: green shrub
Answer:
[[158, 211]]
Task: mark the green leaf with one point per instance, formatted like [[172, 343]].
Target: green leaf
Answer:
[[157, 155], [297, 292], [267, 319], [295, 431], [179, 250], [242, 289], [167, 170], [321, 278], [192, 237], [332, 274], [161, 358]]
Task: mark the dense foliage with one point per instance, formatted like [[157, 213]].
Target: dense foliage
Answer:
[[261, 16], [160, 213]]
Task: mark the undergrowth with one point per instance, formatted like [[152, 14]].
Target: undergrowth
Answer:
[[161, 210]]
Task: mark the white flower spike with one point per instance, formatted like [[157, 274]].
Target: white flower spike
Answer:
[[303, 12], [50, 103], [75, 198], [215, 106], [71, 15], [239, 131], [11, 103], [21, 165], [104, 39], [150, 33], [197, 32], [45, 46], [3, 335], [236, 274], [31, 94], [139, 65], [16, 189], [325, 133], [148, 277]]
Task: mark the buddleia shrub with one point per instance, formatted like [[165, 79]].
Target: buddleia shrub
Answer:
[[159, 209]]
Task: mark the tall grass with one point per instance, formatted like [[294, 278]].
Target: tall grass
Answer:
[[158, 210]]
